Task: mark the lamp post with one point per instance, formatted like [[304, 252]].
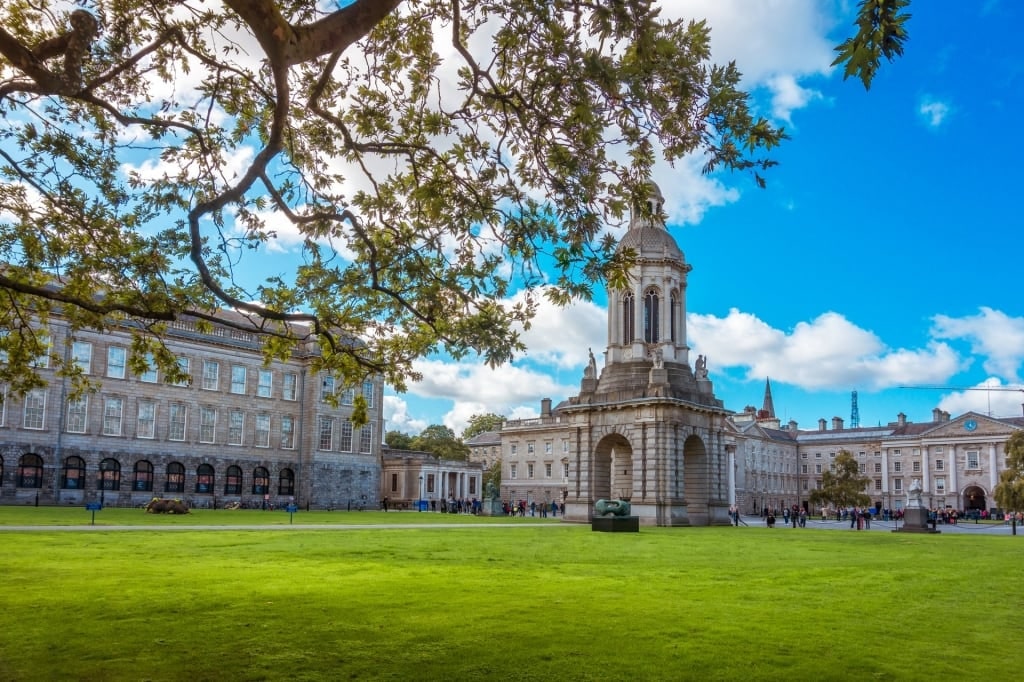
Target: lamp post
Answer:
[[419, 502]]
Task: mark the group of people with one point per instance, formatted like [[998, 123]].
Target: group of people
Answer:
[[521, 507], [797, 516]]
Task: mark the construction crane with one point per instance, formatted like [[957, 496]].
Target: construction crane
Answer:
[[987, 389]]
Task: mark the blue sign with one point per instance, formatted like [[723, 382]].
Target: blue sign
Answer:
[[292, 508], [93, 506]]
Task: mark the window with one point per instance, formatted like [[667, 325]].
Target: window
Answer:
[[185, 367], [366, 438], [897, 467], [78, 411], [204, 479], [175, 478], [394, 483], [35, 409], [260, 481], [117, 357], [972, 459], [896, 452], [81, 356], [348, 396], [512, 449], [143, 476], [236, 426], [42, 360], [472, 486], [430, 483], [30, 471], [73, 476], [289, 387], [145, 425], [368, 393], [940, 485], [803, 455], [264, 383], [207, 424], [286, 482], [878, 467], [150, 375], [113, 409], [110, 475], [916, 467], [938, 451], [565, 445], [831, 455], [939, 465], [211, 375], [673, 303], [547, 469], [817, 468], [547, 447], [565, 469], [878, 484], [238, 379], [326, 431], [262, 431], [513, 471], [897, 484], [233, 481], [628, 318], [817, 455], [529, 448], [652, 316], [176, 421], [529, 470], [326, 389], [803, 469], [287, 433], [345, 444], [863, 468]]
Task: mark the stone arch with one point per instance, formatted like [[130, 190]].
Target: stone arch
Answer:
[[973, 498], [696, 480], [612, 475]]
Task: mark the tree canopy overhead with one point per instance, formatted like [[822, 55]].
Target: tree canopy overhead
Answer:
[[420, 154]]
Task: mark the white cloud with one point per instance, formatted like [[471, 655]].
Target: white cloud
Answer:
[[826, 353], [788, 95], [559, 336], [934, 112], [991, 333], [397, 417], [989, 397]]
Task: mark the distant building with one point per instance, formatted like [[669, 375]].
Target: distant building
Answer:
[[410, 475], [239, 432]]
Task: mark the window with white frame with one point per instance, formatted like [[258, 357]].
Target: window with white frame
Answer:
[[972, 459], [512, 448], [547, 469], [150, 374], [529, 470], [211, 375], [325, 431], [878, 484], [207, 424], [264, 383], [803, 469], [113, 411], [817, 455], [42, 360], [289, 386], [326, 388], [368, 393], [35, 409], [916, 466], [513, 471], [78, 413], [117, 358], [176, 418], [940, 465], [366, 438], [529, 448], [184, 366], [347, 396], [863, 468], [897, 484], [548, 447], [238, 379], [565, 469], [878, 467], [940, 485], [287, 432], [345, 444], [817, 468], [897, 467], [236, 426], [262, 431], [145, 420], [81, 355], [565, 445], [896, 452]]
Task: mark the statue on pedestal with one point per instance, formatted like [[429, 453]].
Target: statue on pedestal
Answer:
[[702, 368], [591, 371]]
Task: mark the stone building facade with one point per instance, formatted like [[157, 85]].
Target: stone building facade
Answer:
[[238, 432], [411, 475]]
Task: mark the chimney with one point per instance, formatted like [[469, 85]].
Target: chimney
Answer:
[[936, 414], [792, 425], [545, 407], [821, 425], [901, 419], [837, 423]]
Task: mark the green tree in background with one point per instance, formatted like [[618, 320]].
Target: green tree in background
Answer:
[[398, 440], [441, 441], [844, 486], [1009, 493], [482, 423]]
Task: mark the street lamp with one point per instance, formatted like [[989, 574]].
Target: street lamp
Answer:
[[419, 502]]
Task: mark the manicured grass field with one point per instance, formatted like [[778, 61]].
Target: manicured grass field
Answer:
[[544, 601]]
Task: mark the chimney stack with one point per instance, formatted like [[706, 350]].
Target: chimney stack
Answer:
[[821, 425], [837, 423], [545, 407]]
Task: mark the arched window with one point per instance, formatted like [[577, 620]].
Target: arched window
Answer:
[[175, 478], [73, 476], [628, 318], [233, 481], [30, 471], [143, 477], [673, 315], [204, 479], [286, 482], [260, 481], [652, 316], [110, 474]]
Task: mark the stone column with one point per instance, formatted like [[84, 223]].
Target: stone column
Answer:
[[993, 474], [926, 474], [953, 486]]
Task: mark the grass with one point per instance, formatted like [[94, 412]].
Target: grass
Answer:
[[541, 602]]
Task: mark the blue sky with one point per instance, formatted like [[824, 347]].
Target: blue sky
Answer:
[[882, 254]]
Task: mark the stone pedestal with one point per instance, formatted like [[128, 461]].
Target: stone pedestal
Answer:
[[616, 524], [915, 520]]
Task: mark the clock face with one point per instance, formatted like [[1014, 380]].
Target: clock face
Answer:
[[970, 424]]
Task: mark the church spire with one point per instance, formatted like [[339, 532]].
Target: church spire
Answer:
[[768, 408]]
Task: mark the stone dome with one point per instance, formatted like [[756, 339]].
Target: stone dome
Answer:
[[648, 236]]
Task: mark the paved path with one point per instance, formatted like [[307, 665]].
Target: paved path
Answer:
[[287, 526], [888, 526]]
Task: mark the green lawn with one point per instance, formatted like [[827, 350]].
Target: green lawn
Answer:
[[545, 601]]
